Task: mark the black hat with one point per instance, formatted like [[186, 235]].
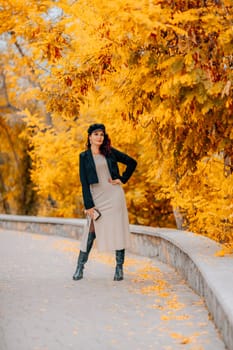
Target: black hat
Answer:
[[94, 127]]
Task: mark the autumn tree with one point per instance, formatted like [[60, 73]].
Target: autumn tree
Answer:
[[21, 76], [167, 68]]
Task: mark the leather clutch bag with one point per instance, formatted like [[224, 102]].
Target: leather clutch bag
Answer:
[[97, 214]]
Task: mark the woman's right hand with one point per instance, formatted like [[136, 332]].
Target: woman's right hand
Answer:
[[90, 212]]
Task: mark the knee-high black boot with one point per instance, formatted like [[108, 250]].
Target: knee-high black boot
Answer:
[[83, 257], [120, 258]]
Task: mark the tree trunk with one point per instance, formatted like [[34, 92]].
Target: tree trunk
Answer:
[[5, 204], [178, 218]]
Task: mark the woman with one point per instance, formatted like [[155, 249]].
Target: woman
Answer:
[[101, 187]]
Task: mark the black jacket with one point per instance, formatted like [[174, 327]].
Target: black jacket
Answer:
[[89, 176]]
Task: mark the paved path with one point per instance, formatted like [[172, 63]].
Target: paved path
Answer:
[[42, 308]]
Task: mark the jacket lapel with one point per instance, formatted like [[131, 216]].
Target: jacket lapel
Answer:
[[90, 159], [109, 163]]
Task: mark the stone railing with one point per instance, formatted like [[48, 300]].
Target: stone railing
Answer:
[[191, 255]]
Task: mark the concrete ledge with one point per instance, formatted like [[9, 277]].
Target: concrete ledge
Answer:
[[192, 255], [72, 228]]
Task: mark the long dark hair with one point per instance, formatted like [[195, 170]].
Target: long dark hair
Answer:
[[105, 148]]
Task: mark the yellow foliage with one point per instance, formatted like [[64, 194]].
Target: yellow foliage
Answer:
[[158, 75]]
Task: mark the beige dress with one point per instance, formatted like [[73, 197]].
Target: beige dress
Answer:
[[112, 228]]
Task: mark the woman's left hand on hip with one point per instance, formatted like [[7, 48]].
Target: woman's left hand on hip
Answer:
[[115, 182]]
